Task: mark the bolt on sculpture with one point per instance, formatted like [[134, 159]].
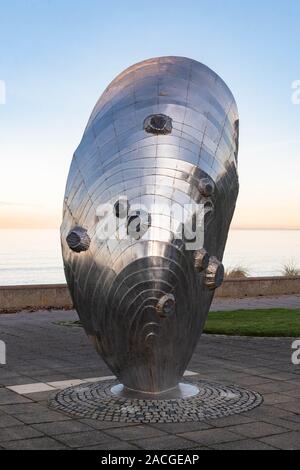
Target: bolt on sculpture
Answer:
[[142, 273]]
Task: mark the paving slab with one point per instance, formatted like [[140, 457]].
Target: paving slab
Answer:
[[132, 433], [210, 437], [257, 429], [246, 444], [39, 443], [62, 427], [286, 441], [169, 442], [15, 433], [81, 439]]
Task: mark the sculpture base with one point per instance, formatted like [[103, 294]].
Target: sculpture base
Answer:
[[104, 401], [183, 390]]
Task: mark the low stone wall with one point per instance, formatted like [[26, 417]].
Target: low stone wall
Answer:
[[56, 296], [259, 286], [35, 297]]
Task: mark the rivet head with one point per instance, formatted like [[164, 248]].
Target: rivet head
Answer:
[[214, 274], [158, 124], [78, 239], [206, 187], [166, 305], [201, 260]]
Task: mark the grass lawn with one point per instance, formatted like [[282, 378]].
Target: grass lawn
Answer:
[[269, 322]]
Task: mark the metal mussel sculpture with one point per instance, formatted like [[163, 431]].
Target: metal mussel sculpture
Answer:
[[149, 200]]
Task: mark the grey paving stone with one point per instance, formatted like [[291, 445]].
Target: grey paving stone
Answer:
[[273, 398], [253, 380], [293, 417], [232, 421], [44, 416], [7, 375], [135, 432], [15, 433], [53, 377], [97, 424], [293, 393], [292, 406], [15, 409], [18, 380], [211, 436], [8, 421], [273, 387], [113, 444], [262, 371], [280, 376], [285, 423], [167, 442], [257, 429], [268, 411], [247, 444], [39, 443], [8, 397], [61, 427], [177, 428], [83, 439], [287, 441]]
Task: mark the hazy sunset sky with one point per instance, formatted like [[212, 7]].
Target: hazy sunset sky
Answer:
[[57, 57]]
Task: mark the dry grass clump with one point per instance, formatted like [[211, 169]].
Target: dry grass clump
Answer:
[[236, 272], [290, 269]]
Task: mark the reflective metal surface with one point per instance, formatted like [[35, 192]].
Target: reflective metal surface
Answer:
[[182, 390], [165, 131]]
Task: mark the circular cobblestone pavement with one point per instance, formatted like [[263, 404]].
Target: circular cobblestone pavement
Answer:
[[95, 400]]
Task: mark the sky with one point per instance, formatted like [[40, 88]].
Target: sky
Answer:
[[58, 56]]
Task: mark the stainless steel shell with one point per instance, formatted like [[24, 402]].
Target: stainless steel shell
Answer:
[[164, 133]]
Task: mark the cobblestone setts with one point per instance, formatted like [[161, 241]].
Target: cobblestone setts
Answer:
[[95, 400]]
